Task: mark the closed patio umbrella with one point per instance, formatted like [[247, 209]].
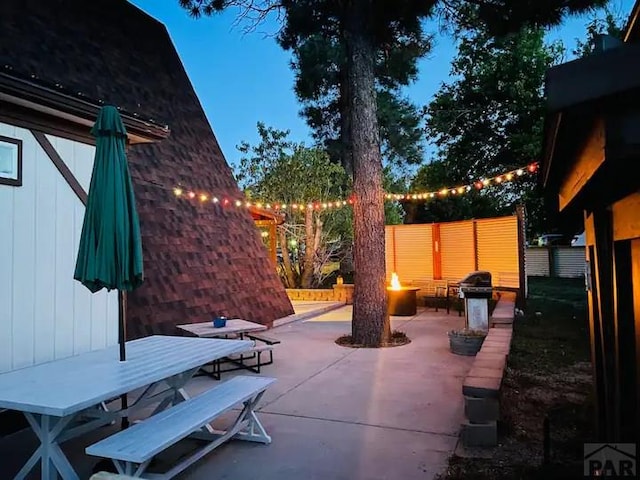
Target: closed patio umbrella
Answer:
[[110, 251]]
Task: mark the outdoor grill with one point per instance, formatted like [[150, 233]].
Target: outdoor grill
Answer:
[[476, 285], [476, 289]]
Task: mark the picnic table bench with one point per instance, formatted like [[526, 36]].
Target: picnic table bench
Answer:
[[133, 449], [64, 398], [236, 328]]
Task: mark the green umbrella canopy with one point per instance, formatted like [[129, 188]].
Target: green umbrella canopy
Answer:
[[110, 252]]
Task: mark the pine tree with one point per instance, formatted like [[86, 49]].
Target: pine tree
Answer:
[[365, 26]]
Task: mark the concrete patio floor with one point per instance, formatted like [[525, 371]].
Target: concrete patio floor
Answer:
[[335, 412]]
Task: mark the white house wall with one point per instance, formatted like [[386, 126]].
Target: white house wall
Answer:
[[44, 313]]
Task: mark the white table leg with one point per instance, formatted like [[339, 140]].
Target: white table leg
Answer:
[[52, 459], [177, 383]]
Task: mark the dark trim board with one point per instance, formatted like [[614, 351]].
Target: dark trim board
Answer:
[[60, 165], [13, 182], [632, 29], [594, 78], [39, 97], [30, 120]]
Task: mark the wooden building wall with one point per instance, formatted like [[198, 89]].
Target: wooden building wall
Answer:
[[613, 255], [44, 313]]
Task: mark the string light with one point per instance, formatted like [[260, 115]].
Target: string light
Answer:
[[203, 197]]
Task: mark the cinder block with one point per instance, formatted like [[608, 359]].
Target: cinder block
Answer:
[[482, 387], [496, 363], [504, 347], [490, 355], [497, 319], [501, 350], [481, 410], [479, 434], [499, 337], [477, 371], [493, 331], [495, 342]]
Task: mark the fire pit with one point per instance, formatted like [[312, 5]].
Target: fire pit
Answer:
[[402, 300]]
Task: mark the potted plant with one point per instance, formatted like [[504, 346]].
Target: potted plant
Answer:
[[466, 341]]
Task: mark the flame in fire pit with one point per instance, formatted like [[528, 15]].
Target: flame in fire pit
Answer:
[[395, 282]]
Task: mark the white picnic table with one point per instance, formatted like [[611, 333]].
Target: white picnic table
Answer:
[[63, 399], [234, 326]]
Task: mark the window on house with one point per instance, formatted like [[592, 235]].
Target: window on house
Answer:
[[10, 161]]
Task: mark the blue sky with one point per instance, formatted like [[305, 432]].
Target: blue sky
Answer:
[[245, 78]]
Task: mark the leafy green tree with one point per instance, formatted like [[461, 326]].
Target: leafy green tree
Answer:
[[487, 121], [490, 119], [365, 27], [432, 177], [279, 169]]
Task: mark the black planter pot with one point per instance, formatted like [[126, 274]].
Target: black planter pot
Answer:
[[462, 343]]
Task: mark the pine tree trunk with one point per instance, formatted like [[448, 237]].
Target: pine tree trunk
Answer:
[[370, 323]]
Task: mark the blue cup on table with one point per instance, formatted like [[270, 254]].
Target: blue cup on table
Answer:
[[219, 322]]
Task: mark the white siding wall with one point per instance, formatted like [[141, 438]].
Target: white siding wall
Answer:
[[537, 262], [44, 313], [570, 262]]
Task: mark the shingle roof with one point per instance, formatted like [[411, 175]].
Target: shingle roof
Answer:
[[200, 260]]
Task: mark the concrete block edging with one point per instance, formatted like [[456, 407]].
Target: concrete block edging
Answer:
[[481, 386]]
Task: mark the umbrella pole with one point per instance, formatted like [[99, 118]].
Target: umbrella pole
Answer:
[[122, 338], [122, 316]]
